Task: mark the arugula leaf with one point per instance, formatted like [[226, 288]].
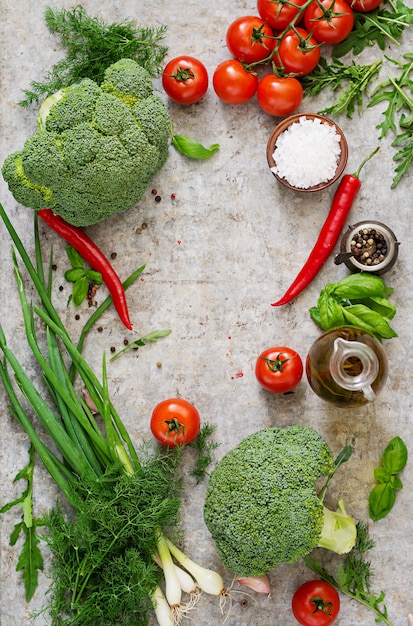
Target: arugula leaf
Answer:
[[358, 78], [152, 336], [387, 22], [30, 560]]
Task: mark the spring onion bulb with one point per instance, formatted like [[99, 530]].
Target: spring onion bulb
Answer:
[[207, 580], [162, 609], [173, 591], [188, 585]]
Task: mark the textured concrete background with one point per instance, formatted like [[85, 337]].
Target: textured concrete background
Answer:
[[216, 257]]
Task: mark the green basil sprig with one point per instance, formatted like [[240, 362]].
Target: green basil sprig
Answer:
[[80, 276], [383, 495], [356, 300]]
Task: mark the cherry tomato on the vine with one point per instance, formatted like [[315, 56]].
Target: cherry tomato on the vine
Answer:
[[331, 21], [175, 422], [316, 603], [364, 6], [279, 369], [279, 96], [279, 14], [232, 83], [185, 80], [299, 52], [249, 39]]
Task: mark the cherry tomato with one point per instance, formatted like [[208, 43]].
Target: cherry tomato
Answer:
[[185, 80], [279, 96], [248, 39], [299, 52], [232, 83], [364, 6], [315, 603], [175, 422], [279, 369], [331, 21], [278, 14]]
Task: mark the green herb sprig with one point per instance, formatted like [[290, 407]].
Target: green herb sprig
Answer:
[[386, 23], [356, 300], [398, 116], [383, 495], [30, 561], [204, 448], [353, 576], [91, 45], [81, 277], [332, 76]]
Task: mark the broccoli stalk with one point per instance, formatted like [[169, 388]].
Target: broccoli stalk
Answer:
[[339, 532]]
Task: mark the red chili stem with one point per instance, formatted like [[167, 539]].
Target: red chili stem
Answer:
[[329, 234], [89, 251]]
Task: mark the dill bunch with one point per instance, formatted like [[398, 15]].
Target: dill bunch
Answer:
[[92, 45], [102, 569]]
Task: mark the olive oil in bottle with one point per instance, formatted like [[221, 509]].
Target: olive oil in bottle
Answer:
[[347, 367]]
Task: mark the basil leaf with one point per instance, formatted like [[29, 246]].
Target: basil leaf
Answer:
[[395, 482], [74, 274], [80, 290], [382, 475], [331, 312], [381, 501], [192, 148], [379, 304], [362, 316], [315, 314], [361, 285], [74, 257], [94, 277], [395, 456]]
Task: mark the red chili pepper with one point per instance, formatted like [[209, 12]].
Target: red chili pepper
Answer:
[[92, 255], [329, 234]]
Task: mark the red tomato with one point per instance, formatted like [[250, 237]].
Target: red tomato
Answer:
[[278, 14], [299, 52], [175, 422], [279, 96], [315, 603], [248, 39], [364, 6], [279, 369], [331, 21], [232, 83], [185, 80]]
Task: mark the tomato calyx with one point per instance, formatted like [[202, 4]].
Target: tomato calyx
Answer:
[[328, 14], [321, 605], [174, 426], [258, 35], [182, 74], [277, 365]]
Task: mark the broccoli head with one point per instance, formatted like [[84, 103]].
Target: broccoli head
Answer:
[[262, 507], [96, 149]]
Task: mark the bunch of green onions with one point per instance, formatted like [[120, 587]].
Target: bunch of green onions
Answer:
[[109, 559]]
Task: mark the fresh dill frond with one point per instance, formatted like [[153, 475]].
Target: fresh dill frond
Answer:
[[204, 448], [92, 45], [102, 568]]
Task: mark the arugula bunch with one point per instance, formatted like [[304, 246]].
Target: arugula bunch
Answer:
[[356, 300]]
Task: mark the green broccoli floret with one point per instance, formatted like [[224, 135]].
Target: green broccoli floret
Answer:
[[97, 147], [262, 507]]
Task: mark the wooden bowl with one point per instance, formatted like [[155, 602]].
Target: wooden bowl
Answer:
[[282, 126]]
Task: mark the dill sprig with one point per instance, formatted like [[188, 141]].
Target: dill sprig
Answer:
[[204, 447], [353, 576], [92, 45]]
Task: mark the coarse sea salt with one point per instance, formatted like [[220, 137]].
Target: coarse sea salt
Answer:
[[307, 153]]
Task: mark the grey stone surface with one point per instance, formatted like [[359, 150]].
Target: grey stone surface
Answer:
[[216, 257]]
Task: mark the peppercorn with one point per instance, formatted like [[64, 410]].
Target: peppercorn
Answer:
[[369, 245]]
